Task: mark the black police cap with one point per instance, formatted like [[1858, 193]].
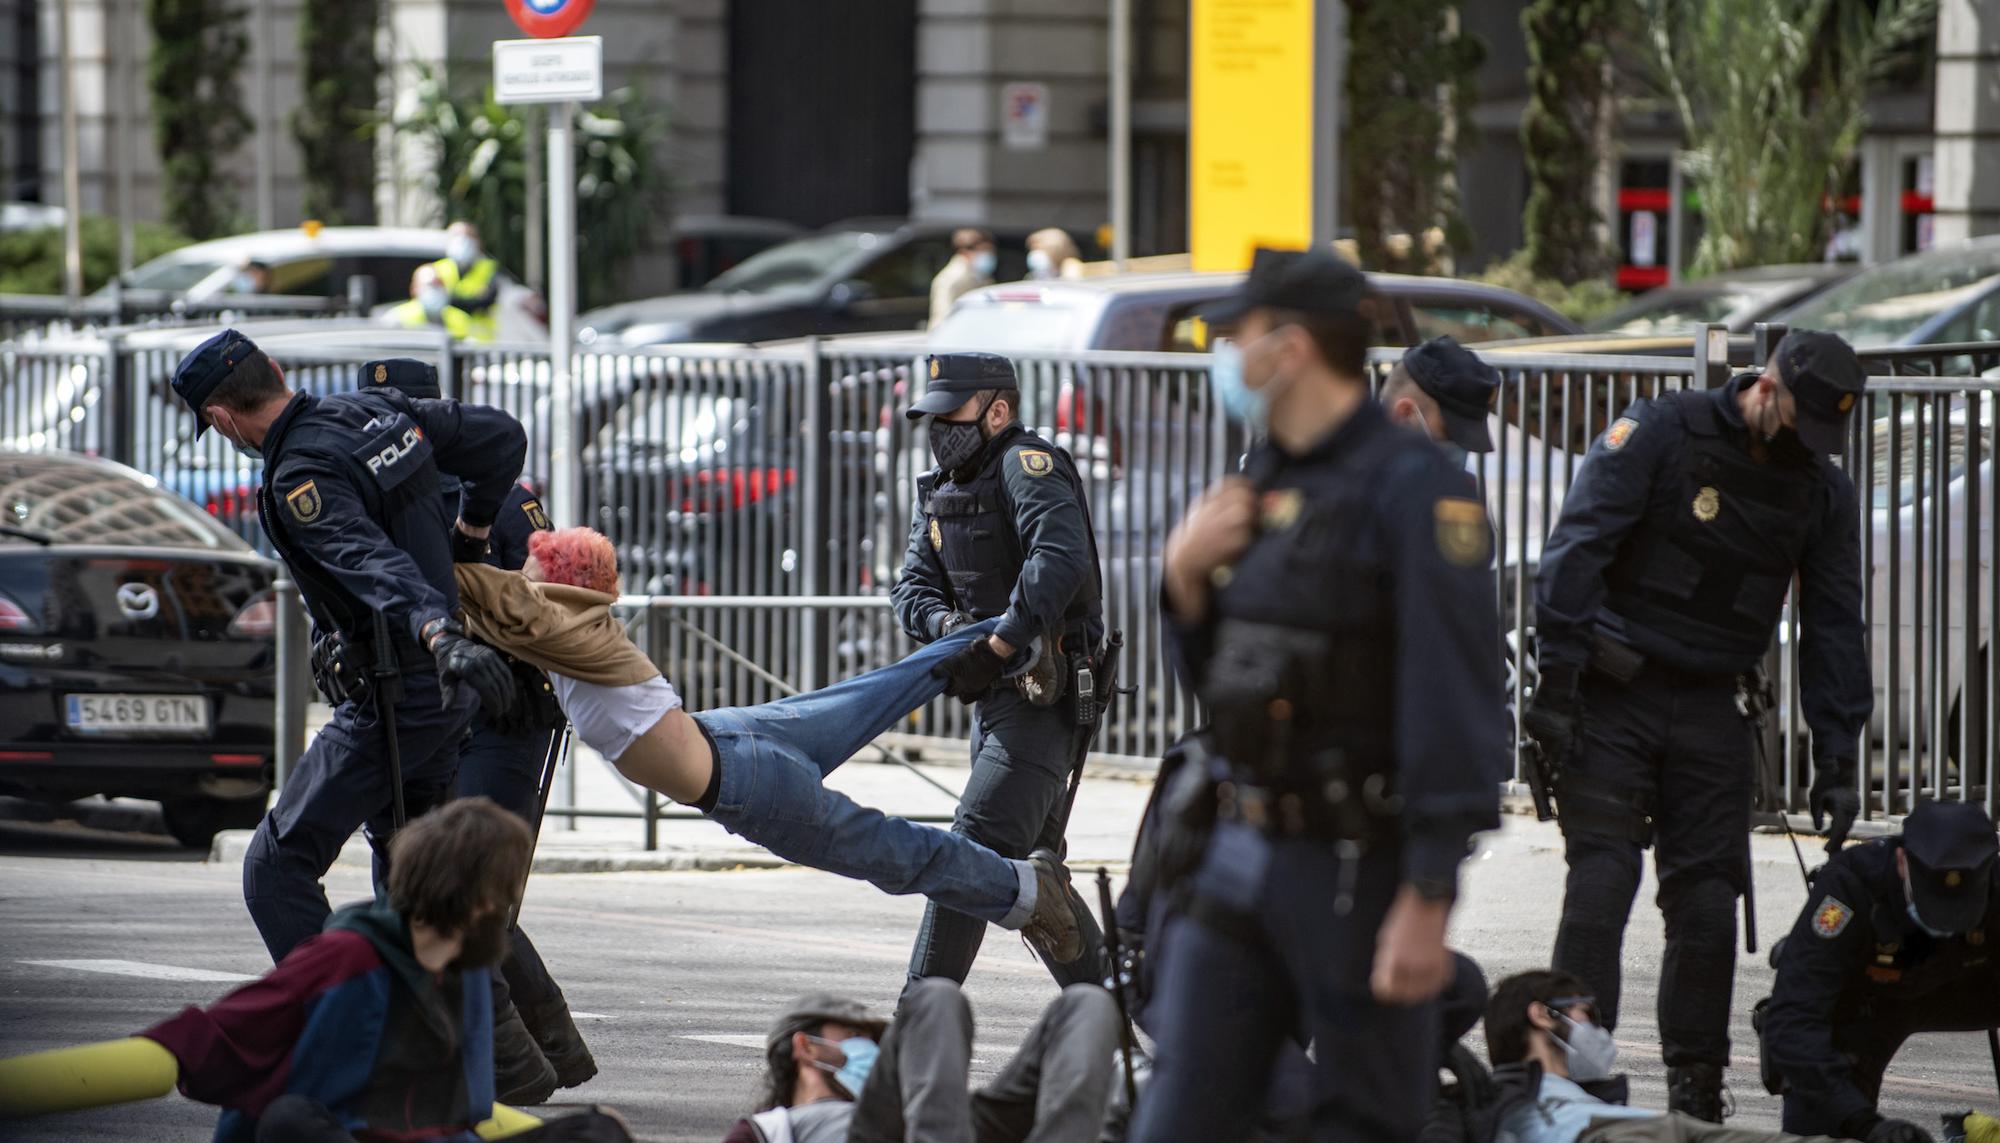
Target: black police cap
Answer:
[[1461, 384], [415, 378], [1826, 379], [955, 377], [1306, 281], [206, 367], [1951, 847]]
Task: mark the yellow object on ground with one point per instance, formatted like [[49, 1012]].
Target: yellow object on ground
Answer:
[[507, 1121], [1981, 1129], [92, 1075]]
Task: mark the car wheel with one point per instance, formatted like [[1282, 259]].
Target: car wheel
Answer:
[[194, 821]]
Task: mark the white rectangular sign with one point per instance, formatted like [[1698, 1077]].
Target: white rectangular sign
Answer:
[[1024, 116], [549, 71]]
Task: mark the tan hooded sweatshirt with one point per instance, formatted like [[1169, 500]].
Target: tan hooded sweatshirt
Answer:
[[558, 628]]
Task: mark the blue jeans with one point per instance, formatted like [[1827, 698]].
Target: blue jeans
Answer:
[[775, 757]]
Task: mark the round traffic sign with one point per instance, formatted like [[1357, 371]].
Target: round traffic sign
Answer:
[[547, 19]]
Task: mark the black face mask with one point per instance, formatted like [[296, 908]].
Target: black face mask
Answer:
[[956, 444], [484, 942], [1787, 449]]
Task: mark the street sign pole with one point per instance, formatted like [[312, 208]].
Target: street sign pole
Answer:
[[562, 312]]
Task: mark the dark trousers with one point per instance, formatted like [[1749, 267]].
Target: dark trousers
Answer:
[[1870, 1033], [508, 769], [296, 1119], [1013, 804], [1674, 748], [341, 782], [1053, 1090], [1271, 959]]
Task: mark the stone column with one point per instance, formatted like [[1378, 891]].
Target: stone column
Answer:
[[1968, 120]]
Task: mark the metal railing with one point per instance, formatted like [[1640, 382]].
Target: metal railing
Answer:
[[34, 317], [754, 474]]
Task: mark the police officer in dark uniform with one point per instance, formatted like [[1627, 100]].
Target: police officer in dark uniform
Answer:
[[350, 500], [1659, 590], [1443, 390], [536, 1045], [1002, 529], [1333, 606], [1900, 935]]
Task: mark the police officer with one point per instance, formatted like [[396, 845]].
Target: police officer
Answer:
[[1898, 936], [1333, 607], [1659, 588], [1443, 390], [1001, 528], [471, 280], [536, 1045], [350, 500]]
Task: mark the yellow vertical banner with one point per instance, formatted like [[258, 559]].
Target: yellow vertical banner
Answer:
[[1250, 147]]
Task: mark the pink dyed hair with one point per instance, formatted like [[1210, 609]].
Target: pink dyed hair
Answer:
[[580, 557]]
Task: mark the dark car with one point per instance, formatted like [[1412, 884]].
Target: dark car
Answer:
[[137, 652], [706, 246], [857, 277], [1738, 299]]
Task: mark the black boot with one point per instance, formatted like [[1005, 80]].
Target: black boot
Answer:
[[560, 1041], [1696, 1090], [521, 1074]]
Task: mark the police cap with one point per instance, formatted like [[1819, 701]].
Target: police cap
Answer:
[[207, 366], [1951, 848], [416, 378], [1826, 380], [955, 377], [1461, 384], [1305, 281], [816, 1008]]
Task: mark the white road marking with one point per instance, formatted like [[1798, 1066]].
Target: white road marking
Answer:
[[734, 1041], [588, 1016], [143, 970]]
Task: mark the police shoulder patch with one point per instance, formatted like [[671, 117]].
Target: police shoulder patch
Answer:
[[537, 518], [304, 502], [1621, 430], [1035, 462], [1831, 918], [1461, 532]]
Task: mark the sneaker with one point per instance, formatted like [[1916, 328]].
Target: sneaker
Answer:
[[1696, 1090], [1052, 930]]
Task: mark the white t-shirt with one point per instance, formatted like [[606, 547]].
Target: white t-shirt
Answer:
[[609, 719]]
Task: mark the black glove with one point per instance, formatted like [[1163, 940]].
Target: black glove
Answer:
[[1554, 718], [466, 549], [534, 710], [1898, 1131], [972, 672], [1833, 796], [461, 659], [952, 622]]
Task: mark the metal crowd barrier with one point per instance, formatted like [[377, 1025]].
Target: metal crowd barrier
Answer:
[[40, 317], [789, 473]]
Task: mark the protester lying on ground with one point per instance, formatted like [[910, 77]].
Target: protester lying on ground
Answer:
[[1552, 1077], [834, 1076], [378, 1029], [757, 770]]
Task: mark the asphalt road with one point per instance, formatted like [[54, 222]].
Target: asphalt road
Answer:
[[678, 973]]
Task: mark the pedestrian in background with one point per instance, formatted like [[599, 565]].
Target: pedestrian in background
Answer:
[[471, 280], [974, 259], [1052, 255], [430, 307]]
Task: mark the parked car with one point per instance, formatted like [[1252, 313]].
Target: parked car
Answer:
[[852, 277], [1738, 299], [1945, 295], [137, 651], [707, 245]]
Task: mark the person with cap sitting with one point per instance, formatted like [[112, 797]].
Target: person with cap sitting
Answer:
[[1443, 390], [839, 1074], [1900, 935], [1659, 591]]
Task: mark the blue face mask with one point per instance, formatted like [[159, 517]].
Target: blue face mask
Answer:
[[985, 262], [1251, 407], [860, 1052], [1453, 453]]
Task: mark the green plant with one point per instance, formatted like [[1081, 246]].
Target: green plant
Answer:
[[1578, 300], [198, 117], [1569, 105], [334, 119], [480, 172], [31, 261], [1409, 91], [1770, 94]]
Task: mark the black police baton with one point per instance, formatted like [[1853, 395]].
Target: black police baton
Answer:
[[388, 692], [1117, 983]]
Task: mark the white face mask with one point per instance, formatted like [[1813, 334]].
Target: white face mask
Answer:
[[985, 262], [462, 250], [432, 298], [1591, 1050], [1040, 264]]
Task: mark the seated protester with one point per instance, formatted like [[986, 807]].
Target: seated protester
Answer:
[[1552, 1075], [1897, 937], [756, 770], [835, 1077]]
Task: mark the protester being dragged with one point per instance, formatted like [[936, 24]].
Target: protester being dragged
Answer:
[[756, 770], [836, 1077]]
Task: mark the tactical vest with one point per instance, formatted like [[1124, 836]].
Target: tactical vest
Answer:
[[372, 434], [1710, 563], [971, 526]]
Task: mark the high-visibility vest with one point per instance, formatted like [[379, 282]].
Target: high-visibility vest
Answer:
[[454, 321], [475, 292]]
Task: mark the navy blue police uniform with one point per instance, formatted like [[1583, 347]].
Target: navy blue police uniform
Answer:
[[1659, 591], [1868, 965], [350, 501], [1002, 531], [1350, 662], [1463, 387]]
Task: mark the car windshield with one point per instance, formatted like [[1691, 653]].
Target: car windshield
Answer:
[[171, 273], [1673, 311], [1884, 306], [1023, 325], [804, 262], [44, 500]]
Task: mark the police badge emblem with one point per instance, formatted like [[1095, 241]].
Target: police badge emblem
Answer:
[[1831, 918], [1280, 509], [1707, 505], [304, 502], [1035, 462], [537, 518], [1846, 402], [937, 536], [381, 373], [934, 368], [1621, 431], [1461, 532]]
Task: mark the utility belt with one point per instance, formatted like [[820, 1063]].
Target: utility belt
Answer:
[[1334, 811], [1624, 665], [343, 667], [1073, 673]]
